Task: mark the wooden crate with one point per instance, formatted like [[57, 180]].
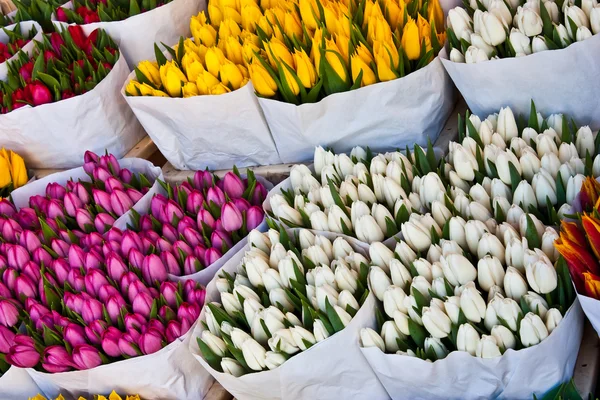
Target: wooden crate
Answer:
[[6, 7]]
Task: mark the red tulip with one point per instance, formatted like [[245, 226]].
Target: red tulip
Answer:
[[61, 15], [26, 71], [40, 93]]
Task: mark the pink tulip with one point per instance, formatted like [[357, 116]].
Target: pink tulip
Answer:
[[134, 195], [84, 220], [188, 311], [193, 237], [200, 252], [76, 256], [254, 217], [60, 247], [74, 302], [120, 202], [17, 256], [157, 206], [45, 321], [173, 331], [181, 250], [7, 338], [185, 325], [95, 331], [91, 310], [94, 280], [150, 341], [72, 203], [76, 280], [203, 179], [219, 226], [4, 291], [111, 163], [153, 270], [7, 208], [74, 334], [127, 346], [194, 202], [107, 291], [186, 222], [135, 289], [191, 265], [170, 233], [259, 195], [27, 218], [241, 204], [221, 240], [130, 240], [136, 258], [215, 195], [103, 221], [9, 313], [166, 313], [171, 263], [55, 191], [10, 230], [24, 287], [169, 291], [146, 245], [110, 342], [145, 223], [102, 199], [114, 304], [114, 235], [30, 241], [23, 353], [211, 256], [82, 193], [233, 185], [86, 357], [115, 267], [9, 277], [126, 280], [101, 174], [112, 184], [231, 217], [173, 213], [134, 322], [196, 296], [55, 210], [56, 359], [32, 271], [126, 175], [205, 218], [93, 260], [41, 256], [39, 202], [152, 236], [142, 304]]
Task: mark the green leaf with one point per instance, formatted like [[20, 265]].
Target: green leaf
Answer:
[[160, 57], [531, 234], [533, 120], [515, 177], [333, 317], [209, 356], [417, 333]]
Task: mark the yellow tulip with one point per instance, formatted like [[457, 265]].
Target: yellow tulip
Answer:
[[263, 82], [275, 16], [292, 25], [411, 42], [232, 14], [332, 55], [193, 70], [188, 59], [363, 52], [436, 14], [344, 24], [357, 65], [219, 89], [231, 75], [378, 30], [150, 71], [132, 88], [146, 90], [309, 11], [205, 82], [203, 33], [247, 36], [291, 81], [331, 20], [214, 59], [244, 71], [265, 25], [172, 78], [305, 69], [190, 47], [387, 49], [159, 93], [114, 396], [234, 50], [235, 4], [277, 50], [343, 44], [372, 9], [5, 178], [317, 43], [17, 170], [190, 89], [228, 28], [384, 68], [215, 14], [424, 27], [250, 16], [249, 51], [394, 13]]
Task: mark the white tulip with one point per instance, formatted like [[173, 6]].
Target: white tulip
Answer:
[[231, 304], [574, 187], [239, 337], [459, 21], [324, 276], [421, 284], [492, 29], [438, 286], [515, 285], [548, 238], [344, 165], [274, 359], [283, 341], [370, 338], [367, 229], [585, 141], [515, 253], [595, 20], [477, 41], [552, 9], [498, 141], [507, 125], [545, 188], [532, 330], [390, 333], [232, 367], [400, 275], [577, 165], [519, 42], [551, 163], [523, 224], [504, 337], [464, 163], [583, 32], [319, 330], [501, 11], [488, 347], [423, 268], [456, 56], [318, 221], [392, 191], [542, 277], [467, 339], [322, 158], [358, 153], [490, 272], [215, 343], [509, 311], [536, 303], [474, 230], [259, 240], [578, 17], [475, 55], [530, 164], [490, 244], [456, 228], [503, 160], [302, 336], [382, 215], [553, 318], [328, 173], [448, 247], [346, 299], [545, 145], [564, 210], [567, 151], [280, 298], [434, 253], [378, 282], [380, 255], [416, 236], [436, 322], [458, 270], [529, 22], [472, 304], [538, 44]]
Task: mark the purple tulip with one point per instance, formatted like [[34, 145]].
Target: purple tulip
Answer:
[[17, 256], [126, 175], [60, 247], [150, 341], [102, 199], [86, 356], [93, 260], [110, 341], [115, 267], [10, 230], [173, 213], [7, 338], [134, 195], [103, 222], [90, 157], [56, 359], [114, 304], [153, 269], [94, 280], [173, 331], [23, 353], [193, 237], [120, 202], [101, 174], [32, 270], [145, 223], [74, 334], [203, 179], [91, 310], [4, 291], [233, 185], [194, 202], [9, 277], [231, 217], [166, 313], [142, 304], [157, 206], [127, 279], [7, 208], [30, 241], [150, 235], [220, 240], [259, 195], [241, 204], [95, 331], [55, 191], [186, 222], [134, 322], [9, 313], [107, 291], [169, 291], [215, 195], [76, 256], [169, 232], [24, 286], [191, 265], [27, 218], [211, 256], [135, 289], [170, 262], [188, 311], [112, 184], [72, 203], [127, 346], [130, 240]]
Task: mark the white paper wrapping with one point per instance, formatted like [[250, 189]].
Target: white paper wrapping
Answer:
[[26, 28], [383, 116], [136, 35], [214, 132], [169, 374], [56, 135], [331, 369], [515, 375], [591, 308], [136, 165], [206, 275], [17, 384], [558, 81]]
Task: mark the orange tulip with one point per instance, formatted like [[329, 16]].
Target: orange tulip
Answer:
[[590, 193], [592, 228], [592, 285]]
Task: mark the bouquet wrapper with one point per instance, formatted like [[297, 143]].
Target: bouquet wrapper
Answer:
[[206, 275], [136, 165], [169, 374], [26, 27], [214, 132], [591, 308], [385, 116], [331, 369], [56, 135], [17, 384], [515, 375], [136, 35], [515, 82]]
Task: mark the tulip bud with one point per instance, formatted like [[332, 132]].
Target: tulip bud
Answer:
[[370, 338], [367, 229], [467, 339], [457, 269], [532, 330], [553, 318], [541, 276], [436, 322]]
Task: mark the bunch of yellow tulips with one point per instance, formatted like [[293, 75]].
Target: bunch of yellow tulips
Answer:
[[296, 50], [112, 396], [13, 173]]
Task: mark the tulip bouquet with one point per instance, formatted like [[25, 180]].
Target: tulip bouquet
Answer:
[[289, 291], [34, 10], [112, 396], [87, 12], [15, 40], [498, 29], [360, 195], [200, 221], [13, 173]]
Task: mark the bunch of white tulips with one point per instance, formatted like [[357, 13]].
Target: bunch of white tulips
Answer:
[[358, 195], [491, 29], [291, 290]]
